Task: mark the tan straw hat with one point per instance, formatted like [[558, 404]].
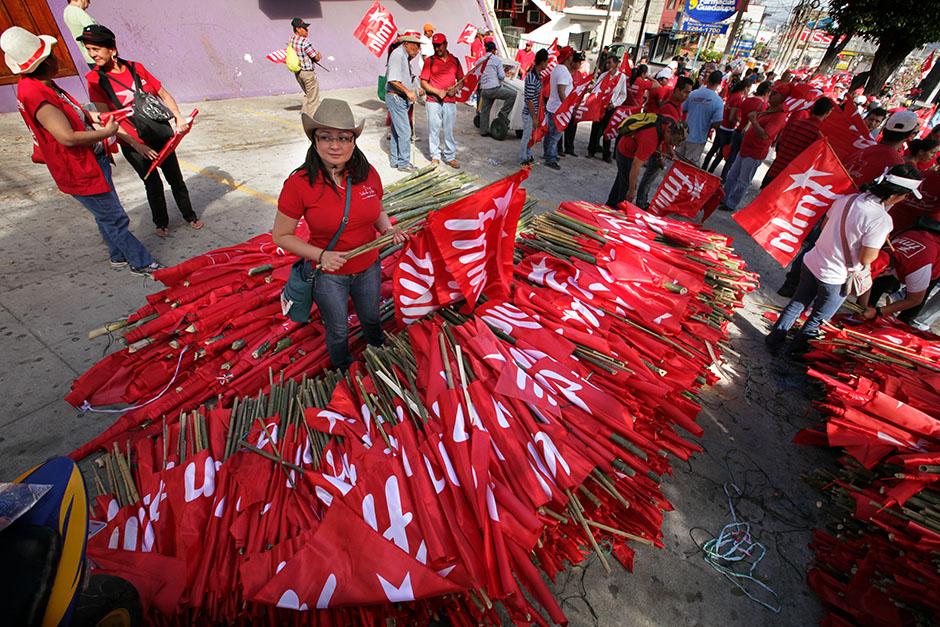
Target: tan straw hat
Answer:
[[24, 51], [410, 37], [331, 113]]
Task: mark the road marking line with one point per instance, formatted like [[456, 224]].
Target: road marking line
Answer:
[[228, 182], [291, 125]]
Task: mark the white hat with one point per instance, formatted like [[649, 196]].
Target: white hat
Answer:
[[664, 73], [860, 99], [900, 181], [24, 51], [903, 121]]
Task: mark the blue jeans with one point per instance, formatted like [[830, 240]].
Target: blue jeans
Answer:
[[739, 179], [441, 115], [331, 293], [525, 153], [736, 138], [113, 223], [400, 144], [550, 143], [826, 298]]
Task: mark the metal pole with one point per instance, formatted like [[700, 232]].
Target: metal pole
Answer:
[[793, 34], [642, 35], [735, 27], [610, 3]]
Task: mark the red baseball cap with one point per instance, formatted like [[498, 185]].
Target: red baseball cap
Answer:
[[438, 38], [564, 53]]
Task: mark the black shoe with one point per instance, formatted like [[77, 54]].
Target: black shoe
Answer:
[[571, 153], [800, 346], [607, 159], [553, 166], [590, 155], [724, 207], [775, 340], [786, 290]]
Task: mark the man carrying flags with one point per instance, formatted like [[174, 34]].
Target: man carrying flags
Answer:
[[635, 146], [533, 105], [439, 80], [616, 99], [306, 76], [656, 163]]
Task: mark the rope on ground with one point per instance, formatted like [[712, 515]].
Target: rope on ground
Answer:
[[87, 407], [734, 554]]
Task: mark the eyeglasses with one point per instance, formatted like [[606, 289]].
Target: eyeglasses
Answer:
[[326, 138]]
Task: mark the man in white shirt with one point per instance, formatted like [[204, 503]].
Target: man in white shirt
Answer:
[[559, 88], [493, 89], [617, 98], [856, 227], [76, 18], [401, 94]]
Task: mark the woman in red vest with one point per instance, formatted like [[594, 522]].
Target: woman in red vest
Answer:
[[66, 141]]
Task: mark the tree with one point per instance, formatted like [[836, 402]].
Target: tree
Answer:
[[840, 40], [898, 26]]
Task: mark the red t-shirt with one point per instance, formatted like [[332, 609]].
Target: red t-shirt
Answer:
[[322, 209], [673, 110], [524, 58], [442, 73], [121, 83], [74, 168], [477, 48], [781, 87], [748, 106], [635, 91], [657, 97], [755, 146], [640, 145], [869, 163], [734, 102], [917, 259]]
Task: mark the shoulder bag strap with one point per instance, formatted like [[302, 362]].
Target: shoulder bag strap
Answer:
[[846, 253], [345, 220], [105, 81]]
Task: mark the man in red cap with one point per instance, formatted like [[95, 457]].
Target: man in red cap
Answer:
[[439, 80], [525, 57]]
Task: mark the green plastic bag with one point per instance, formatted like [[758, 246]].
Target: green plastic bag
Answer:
[[381, 90]]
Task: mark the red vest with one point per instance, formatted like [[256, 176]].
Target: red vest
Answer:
[[74, 169]]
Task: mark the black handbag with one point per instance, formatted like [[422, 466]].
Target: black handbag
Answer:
[[151, 116], [297, 295]]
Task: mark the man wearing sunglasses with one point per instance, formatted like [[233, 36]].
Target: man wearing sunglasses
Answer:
[[439, 80]]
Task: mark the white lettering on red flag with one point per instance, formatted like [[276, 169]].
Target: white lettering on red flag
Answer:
[[685, 190], [786, 210], [467, 35], [376, 30]]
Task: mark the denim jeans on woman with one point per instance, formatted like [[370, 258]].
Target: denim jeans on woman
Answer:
[[441, 116], [113, 223], [399, 147], [825, 298], [331, 293], [739, 180]]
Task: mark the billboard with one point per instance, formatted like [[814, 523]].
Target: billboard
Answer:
[[710, 11], [692, 26]]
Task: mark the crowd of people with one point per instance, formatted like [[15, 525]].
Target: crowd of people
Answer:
[[714, 116]]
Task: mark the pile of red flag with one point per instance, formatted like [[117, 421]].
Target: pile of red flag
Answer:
[[878, 563], [449, 470]]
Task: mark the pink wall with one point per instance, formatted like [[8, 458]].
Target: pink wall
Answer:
[[198, 48]]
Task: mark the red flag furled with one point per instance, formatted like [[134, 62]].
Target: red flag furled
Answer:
[[802, 96], [277, 56], [171, 145], [786, 210], [686, 190], [567, 112], [377, 29], [926, 66], [475, 236], [467, 35]]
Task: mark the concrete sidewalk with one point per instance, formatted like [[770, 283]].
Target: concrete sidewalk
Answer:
[[56, 285]]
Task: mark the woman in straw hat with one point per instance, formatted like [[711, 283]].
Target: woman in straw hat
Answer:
[[339, 195], [65, 139]]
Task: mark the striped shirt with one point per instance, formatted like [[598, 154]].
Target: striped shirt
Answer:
[[533, 88], [304, 50], [795, 137]]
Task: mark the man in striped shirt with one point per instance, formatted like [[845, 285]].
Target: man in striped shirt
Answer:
[[532, 104], [796, 137], [307, 77]]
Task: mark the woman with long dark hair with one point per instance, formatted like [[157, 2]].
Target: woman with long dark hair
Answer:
[[339, 195], [639, 84], [856, 227]]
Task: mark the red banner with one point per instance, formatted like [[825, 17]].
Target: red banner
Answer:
[[594, 106], [685, 190], [786, 210], [376, 30], [470, 81], [475, 236], [620, 114], [802, 96], [468, 34], [844, 134], [171, 145], [567, 112]]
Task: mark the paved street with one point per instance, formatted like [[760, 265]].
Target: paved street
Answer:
[[56, 285]]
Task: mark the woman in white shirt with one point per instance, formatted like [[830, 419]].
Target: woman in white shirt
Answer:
[[826, 266]]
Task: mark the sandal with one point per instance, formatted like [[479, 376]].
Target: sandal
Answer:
[[162, 231], [196, 224]]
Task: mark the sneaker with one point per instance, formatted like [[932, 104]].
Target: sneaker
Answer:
[[775, 340], [118, 265], [147, 270], [607, 159], [724, 207], [435, 161], [552, 165], [407, 168]]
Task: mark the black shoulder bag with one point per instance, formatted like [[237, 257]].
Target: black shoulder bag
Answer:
[[151, 117], [297, 295]]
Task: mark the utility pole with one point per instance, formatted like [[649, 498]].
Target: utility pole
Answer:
[[735, 27], [793, 35], [814, 9], [610, 3], [642, 35]]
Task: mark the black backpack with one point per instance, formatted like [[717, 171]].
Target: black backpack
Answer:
[[151, 117]]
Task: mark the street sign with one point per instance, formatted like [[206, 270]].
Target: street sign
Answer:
[[692, 26], [745, 44], [710, 11]]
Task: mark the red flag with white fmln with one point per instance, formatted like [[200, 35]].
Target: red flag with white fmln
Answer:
[[277, 56], [926, 66], [468, 84], [846, 135], [595, 104], [685, 190], [802, 96], [475, 236], [620, 114], [786, 210], [421, 284], [567, 112], [467, 35], [376, 30]]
